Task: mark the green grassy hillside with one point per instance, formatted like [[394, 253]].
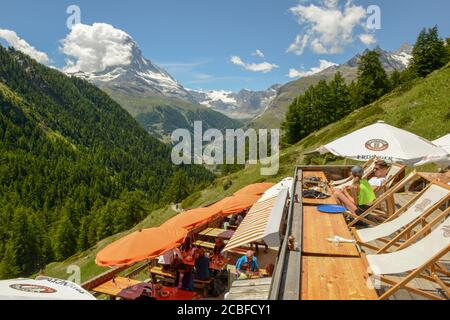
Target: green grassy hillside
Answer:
[[422, 107]]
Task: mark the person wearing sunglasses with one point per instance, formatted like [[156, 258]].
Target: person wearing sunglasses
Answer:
[[380, 172]]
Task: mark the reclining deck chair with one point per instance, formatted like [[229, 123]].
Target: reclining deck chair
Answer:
[[418, 260], [368, 169], [408, 218], [395, 174], [375, 209]]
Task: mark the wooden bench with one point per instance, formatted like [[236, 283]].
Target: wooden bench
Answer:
[[158, 273], [203, 285], [205, 244]]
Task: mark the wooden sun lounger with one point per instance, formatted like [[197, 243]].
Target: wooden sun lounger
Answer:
[[418, 260], [407, 219]]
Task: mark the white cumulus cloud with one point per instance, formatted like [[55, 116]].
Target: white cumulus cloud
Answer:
[[327, 27], [19, 44], [97, 47], [367, 39], [263, 67], [323, 64]]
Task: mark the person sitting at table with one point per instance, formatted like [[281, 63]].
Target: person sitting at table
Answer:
[[201, 265], [218, 247], [184, 278], [188, 247], [247, 263], [358, 197], [239, 220], [269, 269], [232, 221], [380, 172], [187, 244]]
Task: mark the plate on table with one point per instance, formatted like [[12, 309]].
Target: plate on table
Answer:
[[219, 262], [164, 293], [332, 209]]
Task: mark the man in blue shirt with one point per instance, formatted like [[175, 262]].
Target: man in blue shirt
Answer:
[[247, 263]]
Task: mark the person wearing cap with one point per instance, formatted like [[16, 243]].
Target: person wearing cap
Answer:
[[358, 197], [247, 263]]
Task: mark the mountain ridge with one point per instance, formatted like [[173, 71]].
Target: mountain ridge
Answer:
[[275, 112]]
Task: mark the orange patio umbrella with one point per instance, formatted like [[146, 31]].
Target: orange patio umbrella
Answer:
[[140, 245], [193, 218], [256, 189], [235, 204]]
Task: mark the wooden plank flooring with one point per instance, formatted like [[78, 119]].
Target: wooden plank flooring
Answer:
[[423, 284]]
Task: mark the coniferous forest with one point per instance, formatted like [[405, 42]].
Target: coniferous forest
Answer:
[[74, 167]]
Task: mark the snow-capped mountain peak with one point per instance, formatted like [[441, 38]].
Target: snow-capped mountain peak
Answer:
[[396, 60], [245, 104], [140, 74]]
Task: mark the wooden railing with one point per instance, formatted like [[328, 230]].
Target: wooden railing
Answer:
[[280, 270], [102, 278]]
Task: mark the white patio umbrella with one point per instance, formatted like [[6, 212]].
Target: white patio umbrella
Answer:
[[385, 142], [42, 288], [443, 142]]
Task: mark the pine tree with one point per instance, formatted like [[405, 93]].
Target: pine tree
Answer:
[[395, 79], [9, 266], [429, 53], [178, 187], [21, 252], [372, 81], [291, 126], [447, 46], [65, 238], [340, 103]]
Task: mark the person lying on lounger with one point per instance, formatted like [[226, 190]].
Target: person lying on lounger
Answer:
[[380, 172], [358, 197]]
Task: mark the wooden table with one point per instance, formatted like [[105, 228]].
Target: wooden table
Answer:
[[212, 232], [332, 278], [212, 264], [318, 227], [323, 178], [441, 177], [113, 287], [317, 174]]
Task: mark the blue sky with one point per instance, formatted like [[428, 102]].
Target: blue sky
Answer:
[[195, 40]]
